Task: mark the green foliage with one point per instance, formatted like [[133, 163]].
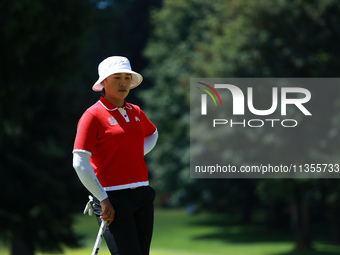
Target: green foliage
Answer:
[[39, 60], [286, 38], [49, 56], [170, 51]]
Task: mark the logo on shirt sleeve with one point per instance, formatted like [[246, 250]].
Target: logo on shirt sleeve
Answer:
[[112, 121], [136, 118]]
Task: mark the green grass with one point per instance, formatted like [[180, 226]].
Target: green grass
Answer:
[[175, 232], [178, 233]]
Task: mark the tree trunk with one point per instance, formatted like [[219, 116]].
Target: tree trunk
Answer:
[[334, 217], [277, 216], [300, 217], [20, 245]]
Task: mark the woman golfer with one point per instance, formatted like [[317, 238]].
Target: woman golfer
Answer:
[[112, 138]]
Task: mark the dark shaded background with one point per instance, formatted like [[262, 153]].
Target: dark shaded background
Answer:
[[49, 53]]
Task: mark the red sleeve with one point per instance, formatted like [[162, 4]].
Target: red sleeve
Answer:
[[87, 131], [148, 127]]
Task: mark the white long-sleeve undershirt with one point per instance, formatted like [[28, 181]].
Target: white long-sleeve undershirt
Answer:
[[85, 172], [150, 142], [81, 163]]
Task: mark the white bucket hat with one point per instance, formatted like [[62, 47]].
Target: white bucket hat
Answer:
[[112, 65]]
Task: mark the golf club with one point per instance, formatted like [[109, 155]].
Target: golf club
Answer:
[[89, 210], [99, 238]]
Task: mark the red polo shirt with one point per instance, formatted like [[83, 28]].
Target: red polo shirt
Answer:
[[115, 139]]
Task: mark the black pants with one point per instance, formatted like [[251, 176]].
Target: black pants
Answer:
[[130, 232]]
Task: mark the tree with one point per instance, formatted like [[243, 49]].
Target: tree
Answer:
[[288, 38], [39, 61], [120, 28]]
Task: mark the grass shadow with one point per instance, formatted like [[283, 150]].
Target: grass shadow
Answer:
[[309, 252], [228, 229]]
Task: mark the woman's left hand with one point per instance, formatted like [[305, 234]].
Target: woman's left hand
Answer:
[[108, 212]]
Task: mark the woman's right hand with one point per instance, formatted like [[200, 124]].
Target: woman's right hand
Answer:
[[108, 212]]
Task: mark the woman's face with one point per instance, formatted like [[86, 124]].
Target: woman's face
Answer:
[[117, 87]]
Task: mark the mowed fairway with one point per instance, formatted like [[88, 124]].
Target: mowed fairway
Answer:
[[176, 232]]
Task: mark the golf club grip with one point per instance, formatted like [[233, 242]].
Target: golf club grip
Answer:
[[99, 238]]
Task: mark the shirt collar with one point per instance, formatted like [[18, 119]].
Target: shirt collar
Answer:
[[110, 107]]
